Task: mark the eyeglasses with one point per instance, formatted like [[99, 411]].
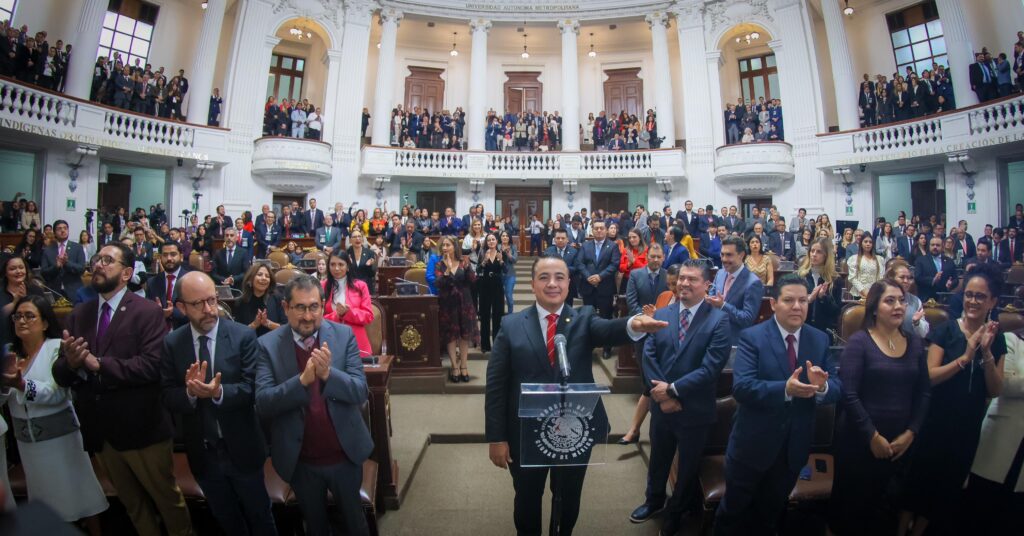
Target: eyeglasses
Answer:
[[210, 302], [975, 296], [103, 261], [314, 308], [27, 318]]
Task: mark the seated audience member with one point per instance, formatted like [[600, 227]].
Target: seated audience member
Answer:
[[348, 300], [914, 320], [56, 465], [884, 376], [260, 306]]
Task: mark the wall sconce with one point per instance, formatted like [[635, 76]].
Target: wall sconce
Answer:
[[201, 168], [81, 151], [844, 175], [666, 188], [570, 190], [960, 158], [475, 187], [378, 186]]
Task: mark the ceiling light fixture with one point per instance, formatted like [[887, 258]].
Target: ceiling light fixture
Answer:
[[752, 36], [592, 53], [525, 54], [454, 52], [848, 11], [204, 5]]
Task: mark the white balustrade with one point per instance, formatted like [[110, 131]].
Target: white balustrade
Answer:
[[1000, 116], [898, 136], [141, 128], [616, 161], [31, 103], [523, 162], [429, 160]]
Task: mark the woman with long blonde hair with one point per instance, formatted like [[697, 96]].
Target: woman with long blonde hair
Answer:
[[457, 315]]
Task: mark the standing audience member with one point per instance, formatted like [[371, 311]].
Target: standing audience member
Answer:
[[490, 275], [259, 307], [914, 320], [208, 370], [63, 262], [864, 267], [348, 300], [825, 301], [310, 388], [511, 252], [457, 316], [737, 290], [965, 362], [111, 361], [57, 468], [758, 262], [884, 376], [934, 272], [598, 263], [364, 260]]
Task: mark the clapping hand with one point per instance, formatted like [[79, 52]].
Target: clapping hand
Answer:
[[195, 385], [76, 351], [716, 301], [168, 310], [798, 389], [340, 310], [12, 375], [988, 334], [322, 356], [309, 373], [918, 316]]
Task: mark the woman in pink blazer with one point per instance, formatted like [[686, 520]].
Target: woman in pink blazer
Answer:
[[348, 300]]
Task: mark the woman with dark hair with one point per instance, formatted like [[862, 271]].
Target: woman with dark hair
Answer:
[[826, 291], [57, 468], [348, 300], [247, 223], [965, 361], [759, 263], [633, 256], [30, 248], [490, 288], [15, 284], [511, 252], [885, 381], [260, 306], [456, 311], [202, 243], [30, 216], [364, 260], [920, 248], [865, 267]]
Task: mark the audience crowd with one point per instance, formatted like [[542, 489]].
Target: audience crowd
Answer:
[[32, 59], [746, 122], [290, 118]]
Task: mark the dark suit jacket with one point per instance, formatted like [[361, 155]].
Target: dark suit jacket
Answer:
[[415, 243], [235, 359], [783, 245], [905, 246], [692, 367], [261, 237], [66, 279], [743, 302], [675, 254], [517, 359], [639, 291], [222, 269], [217, 229], [314, 221], [156, 288], [322, 240], [924, 274], [281, 400], [606, 266], [765, 422], [692, 221], [121, 403], [1001, 254]]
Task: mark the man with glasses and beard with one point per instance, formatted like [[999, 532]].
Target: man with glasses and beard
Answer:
[[310, 389], [111, 361], [207, 373]]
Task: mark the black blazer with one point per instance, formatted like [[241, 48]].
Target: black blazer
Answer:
[[156, 288], [823, 313], [311, 224], [606, 266], [222, 269], [924, 270], [361, 270], [235, 360], [66, 279], [517, 359]]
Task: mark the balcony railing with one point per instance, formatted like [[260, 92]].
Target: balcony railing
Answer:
[[390, 161], [291, 164], [31, 110], [754, 168], [979, 126]]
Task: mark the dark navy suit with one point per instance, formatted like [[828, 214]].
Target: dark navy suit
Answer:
[[606, 265], [692, 367], [771, 436], [675, 254]]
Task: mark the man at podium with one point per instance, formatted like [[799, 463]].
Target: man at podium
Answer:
[[517, 359]]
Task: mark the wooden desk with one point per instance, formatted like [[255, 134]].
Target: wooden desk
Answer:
[[378, 378], [10, 240], [412, 334], [386, 276]]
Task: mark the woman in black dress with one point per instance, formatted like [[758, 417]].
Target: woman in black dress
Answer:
[[364, 261], [202, 243], [260, 306], [965, 361], [826, 289], [30, 248], [456, 313], [490, 288], [885, 381]]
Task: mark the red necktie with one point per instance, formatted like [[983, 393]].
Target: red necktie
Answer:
[[552, 327], [170, 287], [791, 351]]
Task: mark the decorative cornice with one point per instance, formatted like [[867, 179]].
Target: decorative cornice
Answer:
[[480, 25], [689, 14], [359, 11], [569, 25], [658, 17], [390, 14]]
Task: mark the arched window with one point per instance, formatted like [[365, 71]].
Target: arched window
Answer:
[[128, 31], [285, 77], [759, 77], [917, 38]]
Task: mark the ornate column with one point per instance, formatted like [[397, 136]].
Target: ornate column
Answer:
[[700, 141], [714, 64], [205, 62], [842, 67], [959, 49], [350, 99], [662, 77], [477, 110], [382, 105], [332, 59], [85, 41], [570, 85]]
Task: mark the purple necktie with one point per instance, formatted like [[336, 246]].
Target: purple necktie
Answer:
[[104, 323]]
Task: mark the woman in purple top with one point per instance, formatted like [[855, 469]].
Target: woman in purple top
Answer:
[[884, 374]]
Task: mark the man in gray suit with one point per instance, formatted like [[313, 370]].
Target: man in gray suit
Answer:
[[737, 291], [328, 239], [309, 388], [647, 283], [63, 262]]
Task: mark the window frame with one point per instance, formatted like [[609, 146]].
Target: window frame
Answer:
[[115, 29], [277, 71], [748, 76], [9, 14], [919, 15]]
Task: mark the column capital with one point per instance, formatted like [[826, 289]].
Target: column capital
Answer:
[[331, 56], [480, 25], [390, 14], [569, 25], [775, 45], [359, 11], [658, 17], [689, 14], [272, 41], [714, 56]]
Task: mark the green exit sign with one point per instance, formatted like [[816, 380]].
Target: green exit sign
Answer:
[[972, 207]]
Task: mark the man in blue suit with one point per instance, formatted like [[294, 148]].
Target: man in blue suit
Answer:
[[524, 352], [161, 287], [905, 244], [597, 263], [782, 371], [682, 364], [268, 233], [310, 388], [737, 291], [675, 253], [562, 248]]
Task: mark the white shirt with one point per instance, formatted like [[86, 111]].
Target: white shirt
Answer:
[[339, 291], [313, 119], [212, 334], [796, 349]]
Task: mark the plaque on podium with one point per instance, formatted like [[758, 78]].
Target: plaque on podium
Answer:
[[558, 428]]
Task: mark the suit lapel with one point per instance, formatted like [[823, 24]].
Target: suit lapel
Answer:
[[778, 347], [537, 338], [124, 309], [223, 346], [286, 355]]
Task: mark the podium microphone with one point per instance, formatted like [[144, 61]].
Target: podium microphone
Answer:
[[563, 359]]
